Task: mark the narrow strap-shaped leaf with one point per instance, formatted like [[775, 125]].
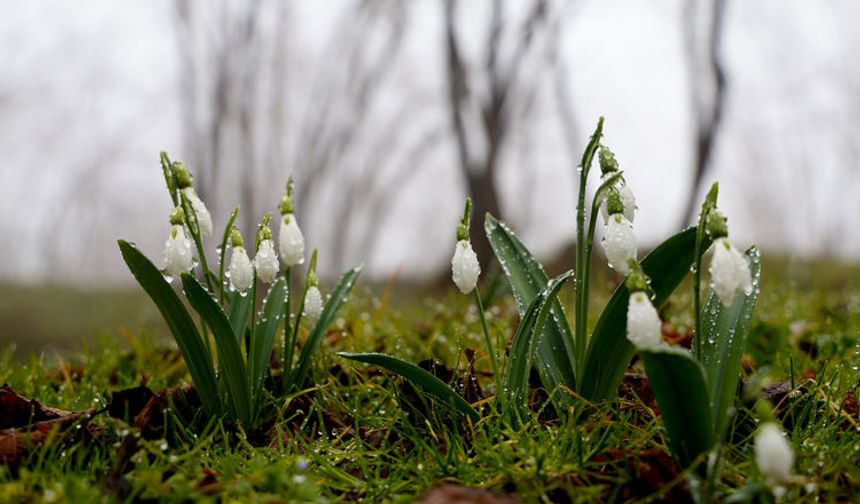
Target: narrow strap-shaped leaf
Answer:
[[723, 340], [419, 377], [229, 351], [678, 384], [609, 351], [525, 342], [238, 312], [264, 336], [337, 298], [194, 352], [554, 355]]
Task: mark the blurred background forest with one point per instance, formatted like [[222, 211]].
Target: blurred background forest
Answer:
[[388, 113]]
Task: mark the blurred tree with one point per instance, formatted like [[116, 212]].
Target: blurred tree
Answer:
[[485, 100], [703, 33]]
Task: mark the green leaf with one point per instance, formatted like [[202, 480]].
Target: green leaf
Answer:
[[525, 342], [194, 352], [678, 383], [419, 377], [554, 355], [264, 336], [609, 351], [335, 301], [723, 340], [229, 351], [239, 310]]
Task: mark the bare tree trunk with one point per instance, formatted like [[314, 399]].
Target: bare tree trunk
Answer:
[[708, 116]]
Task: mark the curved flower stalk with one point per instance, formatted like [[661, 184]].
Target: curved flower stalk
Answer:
[[178, 257], [773, 455], [241, 269], [608, 168], [619, 241]]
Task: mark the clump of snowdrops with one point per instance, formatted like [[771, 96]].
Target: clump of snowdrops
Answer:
[[695, 390], [243, 305]]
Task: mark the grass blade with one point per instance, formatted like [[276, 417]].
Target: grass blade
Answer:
[[554, 355], [609, 351], [335, 301], [264, 336], [229, 351], [419, 377], [678, 383], [194, 352], [723, 340], [525, 342]]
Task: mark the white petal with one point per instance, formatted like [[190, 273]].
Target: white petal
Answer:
[[204, 219], [643, 323], [313, 305], [241, 270], [178, 258], [266, 262], [730, 271], [465, 268], [627, 198], [619, 243], [773, 455], [291, 241]]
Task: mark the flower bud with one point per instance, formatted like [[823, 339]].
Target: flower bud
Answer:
[[177, 252], [291, 241], [773, 455], [313, 304], [241, 270], [266, 262], [619, 243], [643, 323], [730, 271], [204, 219], [465, 268]]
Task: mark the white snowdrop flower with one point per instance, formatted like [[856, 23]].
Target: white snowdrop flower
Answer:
[[266, 262], [241, 270], [643, 323], [465, 268], [291, 241], [204, 219], [773, 455], [313, 304], [730, 271], [619, 243], [178, 258], [627, 197]]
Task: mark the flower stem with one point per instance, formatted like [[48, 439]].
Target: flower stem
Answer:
[[288, 348], [490, 350], [582, 252], [223, 253]]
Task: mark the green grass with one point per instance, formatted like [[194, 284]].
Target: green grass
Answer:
[[808, 321]]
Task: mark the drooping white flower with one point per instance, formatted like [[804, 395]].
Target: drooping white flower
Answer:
[[241, 270], [465, 268], [773, 455], [619, 243], [266, 262], [204, 219], [313, 304], [291, 241], [643, 323], [178, 258], [627, 197], [730, 271]]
